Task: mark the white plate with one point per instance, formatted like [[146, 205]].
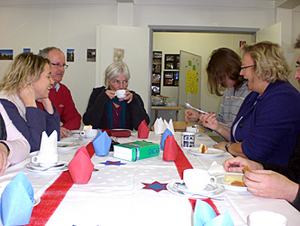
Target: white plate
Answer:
[[219, 191], [36, 168], [227, 186], [36, 200], [61, 145], [211, 152]]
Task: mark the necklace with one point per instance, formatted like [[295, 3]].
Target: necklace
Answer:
[[116, 109]]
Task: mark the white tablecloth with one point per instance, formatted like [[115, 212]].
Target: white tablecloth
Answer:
[[115, 195]]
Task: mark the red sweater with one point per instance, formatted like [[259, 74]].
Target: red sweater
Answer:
[[65, 106]]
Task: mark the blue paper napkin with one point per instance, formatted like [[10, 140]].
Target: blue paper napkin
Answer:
[[164, 137], [17, 201], [204, 215], [98, 134], [102, 144]]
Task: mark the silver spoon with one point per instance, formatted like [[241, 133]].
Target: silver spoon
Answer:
[[59, 165], [187, 105], [178, 184]]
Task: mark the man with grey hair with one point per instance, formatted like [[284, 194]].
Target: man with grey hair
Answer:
[[60, 95]]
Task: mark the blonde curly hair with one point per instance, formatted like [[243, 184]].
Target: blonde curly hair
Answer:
[[26, 68], [270, 63]]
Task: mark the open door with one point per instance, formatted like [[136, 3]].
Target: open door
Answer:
[[134, 41], [189, 81], [272, 34]]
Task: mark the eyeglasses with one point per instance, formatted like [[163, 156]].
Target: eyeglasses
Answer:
[[60, 65], [243, 68], [298, 68], [116, 82]]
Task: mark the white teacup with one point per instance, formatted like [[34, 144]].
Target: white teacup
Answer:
[[89, 133], [188, 139], [120, 93], [197, 179], [262, 218], [45, 159]]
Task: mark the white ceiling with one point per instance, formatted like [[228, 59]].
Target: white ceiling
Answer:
[[289, 4]]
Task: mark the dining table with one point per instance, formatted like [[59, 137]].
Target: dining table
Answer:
[[133, 193]]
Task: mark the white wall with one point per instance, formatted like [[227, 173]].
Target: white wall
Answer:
[[67, 25]]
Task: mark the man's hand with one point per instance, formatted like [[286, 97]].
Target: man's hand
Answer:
[[63, 132]]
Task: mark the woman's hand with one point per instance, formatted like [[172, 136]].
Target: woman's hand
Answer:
[[209, 120], [47, 104], [191, 115], [3, 158], [110, 93], [128, 97], [27, 95]]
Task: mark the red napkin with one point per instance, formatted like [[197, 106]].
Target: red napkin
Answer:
[[81, 167], [170, 149], [143, 130]]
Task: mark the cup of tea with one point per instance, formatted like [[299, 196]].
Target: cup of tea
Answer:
[[44, 159], [120, 93], [196, 180], [89, 133]]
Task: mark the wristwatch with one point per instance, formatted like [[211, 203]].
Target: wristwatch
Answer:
[[227, 145]]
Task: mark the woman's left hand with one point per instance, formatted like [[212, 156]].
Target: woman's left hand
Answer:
[[128, 97]]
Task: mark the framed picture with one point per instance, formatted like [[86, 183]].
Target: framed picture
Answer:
[[172, 61], [171, 78]]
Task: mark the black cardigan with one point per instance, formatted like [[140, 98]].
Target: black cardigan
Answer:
[[95, 114]]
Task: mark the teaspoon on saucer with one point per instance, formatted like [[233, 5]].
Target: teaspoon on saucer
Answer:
[[59, 165]]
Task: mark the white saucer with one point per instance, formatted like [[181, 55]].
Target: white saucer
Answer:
[[75, 133], [217, 192], [36, 168], [211, 152], [64, 146], [227, 186], [207, 190]]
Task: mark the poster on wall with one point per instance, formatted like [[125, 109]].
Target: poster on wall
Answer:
[[171, 78], [91, 55], [6, 54], [118, 55], [191, 81], [172, 61], [70, 55]]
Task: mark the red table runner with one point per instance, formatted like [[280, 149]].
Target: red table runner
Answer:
[[53, 196]]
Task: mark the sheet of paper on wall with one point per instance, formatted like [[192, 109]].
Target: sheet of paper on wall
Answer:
[[191, 82]]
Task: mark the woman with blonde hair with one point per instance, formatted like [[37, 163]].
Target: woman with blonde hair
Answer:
[[268, 123], [106, 111], [27, 81]]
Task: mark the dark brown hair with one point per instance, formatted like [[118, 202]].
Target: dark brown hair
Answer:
[[223, 63]]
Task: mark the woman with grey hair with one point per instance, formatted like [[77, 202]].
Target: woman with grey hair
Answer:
[[267, 124], [106, 111]]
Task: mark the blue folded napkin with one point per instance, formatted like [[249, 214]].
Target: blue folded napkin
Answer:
[[164, 137], [102, 144], [204, 215], [17, 201]]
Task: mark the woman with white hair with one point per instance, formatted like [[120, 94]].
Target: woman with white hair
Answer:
[[106, 111]]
